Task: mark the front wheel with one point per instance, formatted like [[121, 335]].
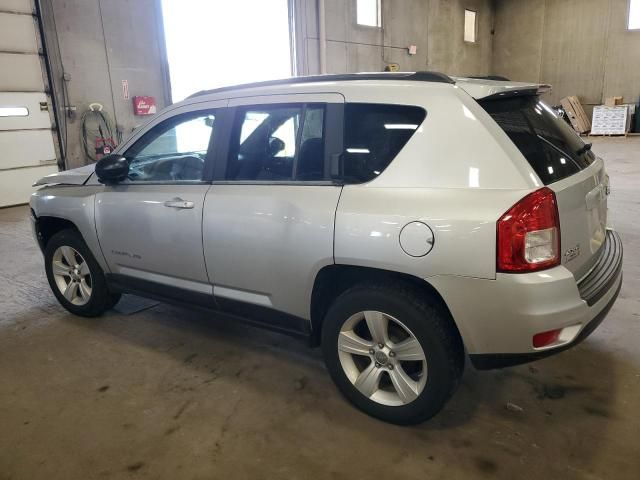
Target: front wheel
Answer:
[[391, 353], [75, 277]]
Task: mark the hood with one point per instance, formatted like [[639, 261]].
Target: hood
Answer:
[[75, 176]]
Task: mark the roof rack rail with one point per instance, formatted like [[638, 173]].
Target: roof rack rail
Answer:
[[412, 76]]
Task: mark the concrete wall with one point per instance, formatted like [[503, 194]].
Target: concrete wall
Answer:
[[101, 43], [580, 47], [434, 26]]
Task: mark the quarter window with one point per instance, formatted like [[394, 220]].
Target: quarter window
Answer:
[[174, 151], [278, 143], [374, 135]]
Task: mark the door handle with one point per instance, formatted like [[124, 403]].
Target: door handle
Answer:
[[178, 203]]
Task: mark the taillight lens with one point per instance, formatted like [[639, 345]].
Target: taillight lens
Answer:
[[528, 235]]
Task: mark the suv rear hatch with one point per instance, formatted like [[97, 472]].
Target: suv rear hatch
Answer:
[[565, 164]]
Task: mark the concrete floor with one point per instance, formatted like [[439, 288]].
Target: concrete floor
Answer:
[[169, 393]]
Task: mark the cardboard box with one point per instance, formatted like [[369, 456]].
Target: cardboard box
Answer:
[[576, 114], [611, 120], [613, 101]]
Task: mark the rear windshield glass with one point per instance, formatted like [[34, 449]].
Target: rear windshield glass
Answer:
[[550, 145], [373, 135]]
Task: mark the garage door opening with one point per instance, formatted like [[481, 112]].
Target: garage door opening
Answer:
[[217, 43]]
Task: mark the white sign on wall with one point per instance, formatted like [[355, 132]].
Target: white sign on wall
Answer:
[[125, 89]]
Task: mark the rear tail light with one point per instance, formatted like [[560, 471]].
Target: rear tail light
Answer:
[[528, 235]]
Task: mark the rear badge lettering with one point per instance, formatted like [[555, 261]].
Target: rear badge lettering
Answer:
[[572, 253]]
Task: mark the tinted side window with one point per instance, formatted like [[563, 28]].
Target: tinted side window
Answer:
[[310, 165], [551, 147], [373, 135], [173, 151], [263, 144], [278, 142]]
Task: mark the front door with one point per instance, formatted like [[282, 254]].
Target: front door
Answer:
[[150, 226]]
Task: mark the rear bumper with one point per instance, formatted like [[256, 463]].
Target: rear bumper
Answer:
[[603, 275], [498, 318], [500, 360]]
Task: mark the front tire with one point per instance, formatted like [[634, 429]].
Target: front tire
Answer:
[[391, 353], [75, 277]]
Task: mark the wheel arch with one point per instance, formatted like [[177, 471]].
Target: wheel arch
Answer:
[[332, 280], [47, 226]]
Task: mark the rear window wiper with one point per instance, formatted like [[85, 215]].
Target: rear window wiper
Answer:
[[554, 146], [584, 149]]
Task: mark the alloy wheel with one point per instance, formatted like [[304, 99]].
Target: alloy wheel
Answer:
[[72, 275], [382, 358]]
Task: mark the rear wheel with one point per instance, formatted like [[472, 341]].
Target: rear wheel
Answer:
[[391, 353], [75, 277]]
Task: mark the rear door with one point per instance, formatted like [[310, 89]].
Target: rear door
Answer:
[[566, 164], [26, 137], [269, 216]]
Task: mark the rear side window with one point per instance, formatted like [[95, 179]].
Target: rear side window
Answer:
[[278, 143], [549, 144], [373, 135]]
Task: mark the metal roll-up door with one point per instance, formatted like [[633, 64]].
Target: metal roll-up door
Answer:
[[27, 149]]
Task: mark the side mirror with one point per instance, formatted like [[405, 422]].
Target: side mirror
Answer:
[[112, 169]]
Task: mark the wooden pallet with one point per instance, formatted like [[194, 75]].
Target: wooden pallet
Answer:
[[609, 134]]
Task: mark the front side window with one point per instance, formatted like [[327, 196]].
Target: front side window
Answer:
[[374, 134], [173, 151], [277, 143]]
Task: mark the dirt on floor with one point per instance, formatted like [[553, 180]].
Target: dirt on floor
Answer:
[[168, 393]]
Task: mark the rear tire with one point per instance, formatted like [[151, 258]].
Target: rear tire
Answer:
[[408, 376], [75, 277]]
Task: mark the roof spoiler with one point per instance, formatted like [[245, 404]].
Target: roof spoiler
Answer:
[[521, 92]]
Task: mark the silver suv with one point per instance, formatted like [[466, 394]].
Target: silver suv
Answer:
[[401, 221]]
